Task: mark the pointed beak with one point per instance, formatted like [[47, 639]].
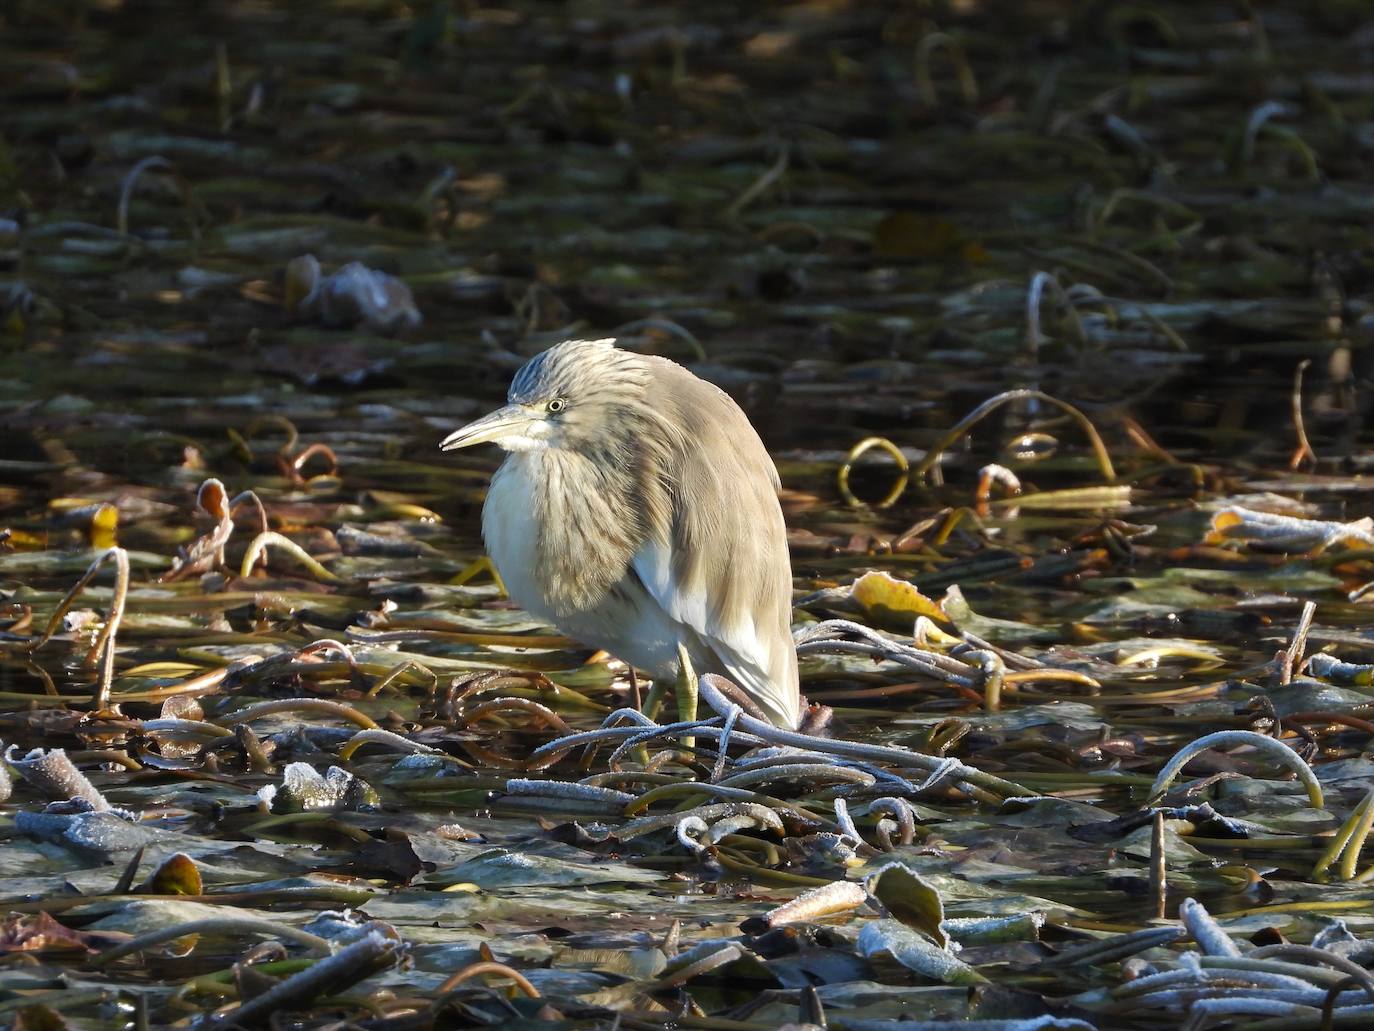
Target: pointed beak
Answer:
[[511, 421]]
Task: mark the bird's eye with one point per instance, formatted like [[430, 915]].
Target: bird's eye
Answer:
[[557, 405]]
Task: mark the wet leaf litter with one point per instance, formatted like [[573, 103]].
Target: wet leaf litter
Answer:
[[1055, 322]]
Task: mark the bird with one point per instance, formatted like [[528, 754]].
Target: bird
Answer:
[[637, 511]]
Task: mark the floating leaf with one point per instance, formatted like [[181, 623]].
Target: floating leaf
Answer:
[[915, 952], [895, 603], [912, 900], [178, 875]]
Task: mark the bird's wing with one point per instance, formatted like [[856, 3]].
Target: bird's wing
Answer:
[[721, 567]]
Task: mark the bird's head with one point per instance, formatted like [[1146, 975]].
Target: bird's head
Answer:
[[581, 394]]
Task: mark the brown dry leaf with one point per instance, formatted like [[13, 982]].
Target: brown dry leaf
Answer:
[[39, 1017], [41, 933]]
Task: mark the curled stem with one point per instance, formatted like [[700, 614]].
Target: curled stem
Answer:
[[1308, 955], [868, 444], [1303, 452], [992, 673], [487, 967], [323, 705], [1104, 461], [1034, 295], [126, 192], [1162, 205], [259, 544], [223, 925], [348, 966], [104, 645], [377, 736], [1276, 750], [757, 188], [1348, 841], [902, 757], [963, 71], [669, 327]]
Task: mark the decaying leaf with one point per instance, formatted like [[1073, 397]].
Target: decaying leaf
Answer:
[[893, 603]]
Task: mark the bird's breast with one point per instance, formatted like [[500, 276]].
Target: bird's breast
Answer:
[[553, 530], [511, 533]]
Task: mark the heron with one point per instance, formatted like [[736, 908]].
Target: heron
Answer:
[[637, 511]]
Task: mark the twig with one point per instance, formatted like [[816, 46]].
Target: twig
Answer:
[[762, 183], [1303, 452]]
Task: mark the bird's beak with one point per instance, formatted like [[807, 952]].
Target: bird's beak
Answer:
[[511, 421]]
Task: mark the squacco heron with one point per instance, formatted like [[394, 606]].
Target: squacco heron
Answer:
[[637, 511]]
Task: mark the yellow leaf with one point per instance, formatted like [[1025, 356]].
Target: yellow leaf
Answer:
[[895, 603], [176, 876]]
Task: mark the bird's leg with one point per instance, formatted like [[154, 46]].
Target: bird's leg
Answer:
[[653, 701], [641, 752], [686, 691], [479, 565]]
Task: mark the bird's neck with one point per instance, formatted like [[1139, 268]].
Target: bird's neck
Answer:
[[589, 521]]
